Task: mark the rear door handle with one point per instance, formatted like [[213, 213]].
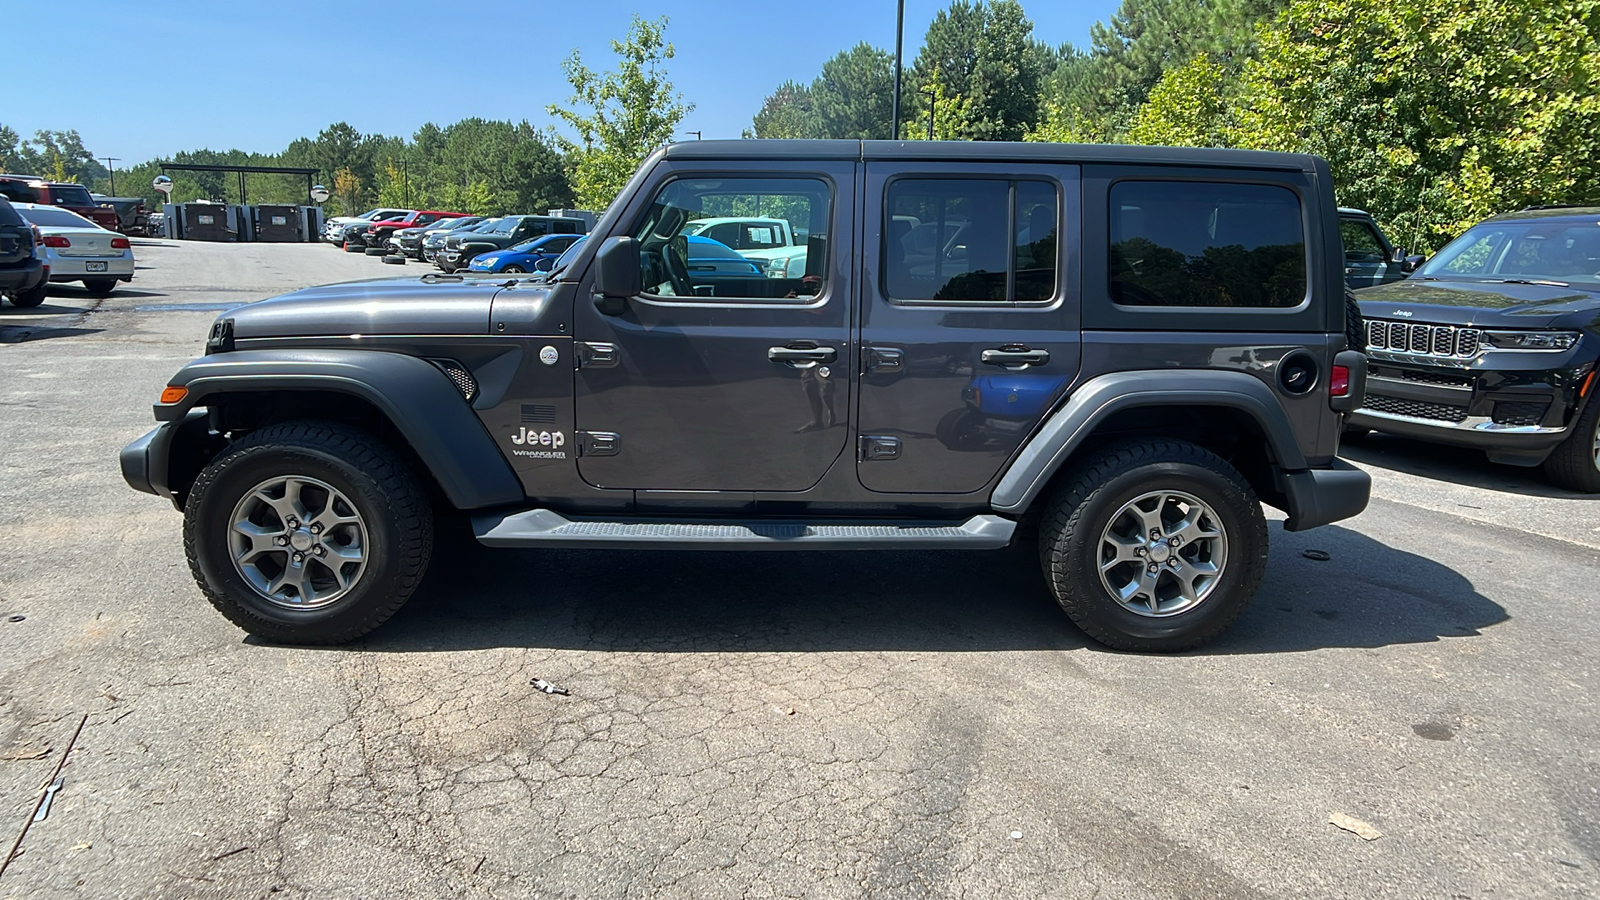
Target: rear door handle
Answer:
[[1014, 356], [802, 357]]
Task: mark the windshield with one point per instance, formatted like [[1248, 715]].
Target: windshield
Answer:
[[44, 217], [70, 195], [505, 226], [1565, 251], [465, 222]]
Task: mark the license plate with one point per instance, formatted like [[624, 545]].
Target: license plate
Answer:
[[94, 267]]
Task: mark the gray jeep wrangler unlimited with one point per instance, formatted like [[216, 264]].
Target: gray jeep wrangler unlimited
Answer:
[[1119, 352]]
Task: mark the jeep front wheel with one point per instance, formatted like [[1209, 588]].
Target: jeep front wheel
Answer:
[[307, 533], [1155, 545]]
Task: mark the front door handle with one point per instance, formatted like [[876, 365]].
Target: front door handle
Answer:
[[802, 357], [1014, 356]]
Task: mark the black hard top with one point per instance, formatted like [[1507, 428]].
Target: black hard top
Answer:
[[990, 151]]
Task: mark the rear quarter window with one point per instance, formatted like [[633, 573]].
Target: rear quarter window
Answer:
[[1206, 244], [9, 215]]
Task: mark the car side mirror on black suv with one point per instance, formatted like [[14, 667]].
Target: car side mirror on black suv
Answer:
[[617, 275]]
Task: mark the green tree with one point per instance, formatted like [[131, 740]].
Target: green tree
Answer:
[[1186, 108], [985, 55], [1434, 113], [952, 115], [347, 191], [788, 112], [620, 117], [853, 95]]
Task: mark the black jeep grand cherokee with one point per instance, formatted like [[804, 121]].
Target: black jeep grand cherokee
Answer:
[[1492, 344]]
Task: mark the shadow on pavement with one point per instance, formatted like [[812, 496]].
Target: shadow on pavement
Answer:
[[1367, 595], [1455, 465], [17, 334]]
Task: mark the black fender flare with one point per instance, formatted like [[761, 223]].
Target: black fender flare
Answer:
[[1098, 398], [416, 396]]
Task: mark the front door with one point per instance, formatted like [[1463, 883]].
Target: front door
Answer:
[[716, 379], [969, 319]]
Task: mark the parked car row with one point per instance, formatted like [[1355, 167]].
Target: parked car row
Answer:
[[69, 196], [41, 244]]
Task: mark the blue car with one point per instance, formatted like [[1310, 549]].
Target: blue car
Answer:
[[524, 257], [997, 407]]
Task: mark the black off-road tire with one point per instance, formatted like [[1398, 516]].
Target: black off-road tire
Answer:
[[1355, 328], [354, 246], [100, 287], [376, 251], [1572, 464], [377, 481], [31, 297], [1081, 508]]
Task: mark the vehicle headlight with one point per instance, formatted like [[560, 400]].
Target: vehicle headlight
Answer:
[[1531, 340]]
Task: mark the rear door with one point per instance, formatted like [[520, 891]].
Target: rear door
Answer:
[[969, 318]]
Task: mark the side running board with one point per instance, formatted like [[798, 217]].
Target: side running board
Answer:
[[545, 528]]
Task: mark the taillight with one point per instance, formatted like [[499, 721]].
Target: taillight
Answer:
[[1339, 381], [56, 240], [120, 243]]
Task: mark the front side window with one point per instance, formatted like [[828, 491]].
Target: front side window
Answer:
[[972, 240], [722, 237], [1206, 244], [1360, 243]]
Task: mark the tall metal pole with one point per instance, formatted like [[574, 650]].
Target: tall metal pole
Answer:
[[405, 171], [113, 160], [933, 105], [899, 34]]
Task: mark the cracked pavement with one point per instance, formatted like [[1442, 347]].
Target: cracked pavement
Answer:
[[768, 725]]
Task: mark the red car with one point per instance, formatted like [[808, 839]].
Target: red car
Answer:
[[378, 233], [74, 197]]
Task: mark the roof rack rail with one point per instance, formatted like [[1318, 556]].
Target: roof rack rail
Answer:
[[1560, 206]]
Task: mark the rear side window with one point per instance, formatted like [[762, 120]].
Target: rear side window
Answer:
[[969, 240], [1206, 244], [8, 214], [70, 195], [1360, 242], [18, 191]]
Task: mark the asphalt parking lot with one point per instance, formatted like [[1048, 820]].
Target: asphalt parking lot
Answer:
[[755, 725]]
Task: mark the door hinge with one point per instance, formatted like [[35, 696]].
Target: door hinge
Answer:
[[599, 443], [882, 360], [878, 447], [595, 356]]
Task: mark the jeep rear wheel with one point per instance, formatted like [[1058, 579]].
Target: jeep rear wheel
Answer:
[[1154, 545], [307, 533]]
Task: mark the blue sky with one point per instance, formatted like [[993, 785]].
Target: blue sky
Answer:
[[290, 68]]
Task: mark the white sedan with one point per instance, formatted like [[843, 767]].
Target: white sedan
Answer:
[[76, 249]]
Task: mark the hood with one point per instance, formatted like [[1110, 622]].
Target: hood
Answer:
[[377, 307], [1480, 304]]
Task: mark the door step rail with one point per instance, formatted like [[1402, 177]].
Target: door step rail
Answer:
[[547, 528]]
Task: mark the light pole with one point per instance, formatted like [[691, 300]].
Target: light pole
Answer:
[[405, 174], [113, 160], [933, 102], [899, 33]]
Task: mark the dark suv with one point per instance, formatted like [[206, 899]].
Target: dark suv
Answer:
[[1158, 336], [1493, 344], [23, 277]]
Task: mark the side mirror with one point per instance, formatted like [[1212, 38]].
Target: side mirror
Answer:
[[545, 264], [617, 275], [1412, 263]]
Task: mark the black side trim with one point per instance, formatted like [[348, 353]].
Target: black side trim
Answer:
[[1320, 496], [1100, 397], [135, 460], [416, 396]]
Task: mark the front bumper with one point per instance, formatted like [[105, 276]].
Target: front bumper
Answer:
[[147, 462], [1516, 415], [1320, 496]]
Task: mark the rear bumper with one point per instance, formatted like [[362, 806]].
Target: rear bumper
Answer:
[[1320, 496], [23, 277], [74, 268]]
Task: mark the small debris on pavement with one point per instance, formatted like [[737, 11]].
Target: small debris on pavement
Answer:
[[549, 688], [1016, 835], [1355, 826], [784, 710], [25, 753], [83, 845], [16, 618], [227, 853], [1318, 555]]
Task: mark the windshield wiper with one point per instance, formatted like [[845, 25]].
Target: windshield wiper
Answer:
[[1527, 281]]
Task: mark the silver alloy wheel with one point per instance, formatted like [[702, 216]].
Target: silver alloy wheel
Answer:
[[298, 541], [1596, 457], [1162, 553]]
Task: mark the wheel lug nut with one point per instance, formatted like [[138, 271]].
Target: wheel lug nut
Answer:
[[293, 522], [1140, 551], [316, 528], [1154, 568], [282, 541], [1173, 562], [1175, 541], [1155, 534], [320, 550], [299, 557]]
